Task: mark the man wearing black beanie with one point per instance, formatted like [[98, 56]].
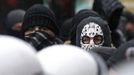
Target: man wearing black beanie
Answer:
[[39, 27]]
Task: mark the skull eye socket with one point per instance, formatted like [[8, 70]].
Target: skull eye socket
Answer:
[[98, 39], [85, 40]]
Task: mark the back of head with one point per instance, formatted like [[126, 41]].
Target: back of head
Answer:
[[13, 22], [18, 58], [67, 60], [13, 17]]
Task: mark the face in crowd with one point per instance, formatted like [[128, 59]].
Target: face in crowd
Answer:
[[91, 36]]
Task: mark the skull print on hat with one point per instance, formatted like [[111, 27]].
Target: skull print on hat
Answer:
[[91, 36]]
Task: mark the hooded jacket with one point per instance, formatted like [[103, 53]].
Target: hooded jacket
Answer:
[[109, 10], [104, 26], [77, 19]]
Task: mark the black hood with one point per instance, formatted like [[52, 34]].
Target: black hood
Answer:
[[109, 10], [105, 52], [38, 15], [104, 26], [119, 55], [77, 19]]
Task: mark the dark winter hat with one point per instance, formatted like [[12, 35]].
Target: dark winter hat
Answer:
[[77, 19], [39, 15], [13, 17]]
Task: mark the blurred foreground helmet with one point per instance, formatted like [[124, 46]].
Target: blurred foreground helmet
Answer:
[[103, 70], [67, 60], [17, 58], [125, 68], [130, 53]]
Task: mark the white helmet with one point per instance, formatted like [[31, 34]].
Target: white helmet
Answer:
[[125, 68], [67, 60], [18, 58]]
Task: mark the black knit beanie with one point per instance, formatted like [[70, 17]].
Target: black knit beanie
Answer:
[[39, 15]]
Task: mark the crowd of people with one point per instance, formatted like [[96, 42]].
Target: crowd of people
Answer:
[[40, 41]]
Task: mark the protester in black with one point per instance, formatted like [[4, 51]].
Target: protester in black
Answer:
[[77, 19], [93, 32], [40, 28]]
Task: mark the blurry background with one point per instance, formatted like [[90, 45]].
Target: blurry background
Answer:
[[8, 5], [129, 4], [63, 9]]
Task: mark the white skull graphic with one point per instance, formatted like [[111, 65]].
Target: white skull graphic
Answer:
[[91, 36]]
